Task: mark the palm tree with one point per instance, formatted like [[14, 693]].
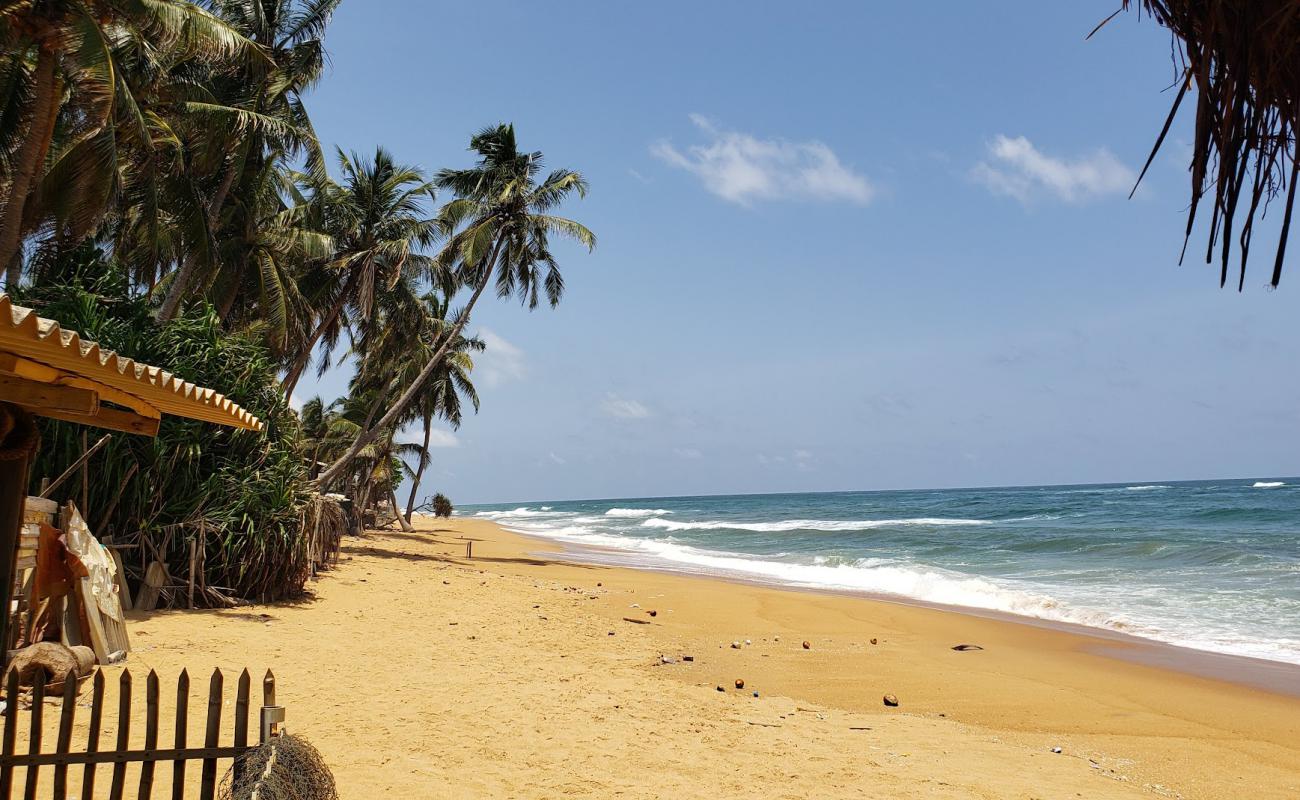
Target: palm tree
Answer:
[[502, 229], [74, 48], [447, 386], [380, 224], [266, 121]]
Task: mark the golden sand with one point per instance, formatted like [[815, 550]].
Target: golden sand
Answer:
[[419, 673]]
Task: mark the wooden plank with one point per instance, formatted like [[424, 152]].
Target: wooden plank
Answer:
[[38, 397], [182, 723], [94, 623], [150, 735], [34, 735], [113, 419], [241, 718], [41, 505], [208, 783], [193, 560], [123, 589], [10, 735], [92, 738], [123, 734], [65, 733]]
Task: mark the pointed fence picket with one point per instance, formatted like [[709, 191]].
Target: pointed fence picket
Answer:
[[36, 759]]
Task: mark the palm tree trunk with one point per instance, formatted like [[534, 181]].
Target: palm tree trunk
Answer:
[[368, 436], [30, 156], [419, 471], [397, 512], [300, 366]]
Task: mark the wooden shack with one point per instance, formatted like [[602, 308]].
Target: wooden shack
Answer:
[[50, 372]]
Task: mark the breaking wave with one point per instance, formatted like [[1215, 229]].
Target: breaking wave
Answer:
[[1267, 484], [633, 513], [805, 524]]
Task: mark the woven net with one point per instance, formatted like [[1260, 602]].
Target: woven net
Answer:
[[283, 768]]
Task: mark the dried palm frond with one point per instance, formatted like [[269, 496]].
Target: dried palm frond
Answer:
[[1242, 60]]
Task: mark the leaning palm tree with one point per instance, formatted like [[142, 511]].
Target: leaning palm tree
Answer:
[[71, 46], [502, 226], [447, 388], [381, 224]]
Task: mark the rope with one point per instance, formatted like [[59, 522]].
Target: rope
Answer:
[[22, 437]]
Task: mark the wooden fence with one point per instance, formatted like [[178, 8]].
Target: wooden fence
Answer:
[[88, 759]]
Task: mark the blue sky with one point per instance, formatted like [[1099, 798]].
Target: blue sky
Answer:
[[852, 246]]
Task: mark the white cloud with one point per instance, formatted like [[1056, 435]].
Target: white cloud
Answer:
[[500, 363], [688, 453], [743, 168], [1018, 169], [414, 434], [295, 402], [622, 408], [556, 459]]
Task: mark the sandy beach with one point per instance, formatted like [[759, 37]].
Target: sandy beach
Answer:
[[421, 673]]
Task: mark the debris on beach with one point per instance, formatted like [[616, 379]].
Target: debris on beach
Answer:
[[873, 640], [891, 700], [756, 694], [720, 689], [688, 658], [667, 660], [653, 613], [962, 648], [740, 683], [807, 645], [748, 642], [1056, 750], [735, 645], [635, 621]]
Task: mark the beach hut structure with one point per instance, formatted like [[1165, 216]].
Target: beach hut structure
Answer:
[[51, 372]]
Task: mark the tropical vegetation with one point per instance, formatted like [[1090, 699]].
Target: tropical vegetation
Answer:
[[163, 191]]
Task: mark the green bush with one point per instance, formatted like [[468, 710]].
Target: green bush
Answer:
[[240, 492]]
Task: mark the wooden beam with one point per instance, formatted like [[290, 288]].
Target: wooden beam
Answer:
[[43, 373], [39, 397], [114, 419]]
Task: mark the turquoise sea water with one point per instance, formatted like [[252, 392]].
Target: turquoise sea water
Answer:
[[1213, 565]]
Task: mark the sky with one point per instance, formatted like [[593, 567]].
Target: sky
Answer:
[[842, 246]]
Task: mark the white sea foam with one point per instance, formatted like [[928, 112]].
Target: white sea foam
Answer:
[[805, 524], [1267, 484], [1041, 596], [634, 513], [522, 512], [1146, 488]]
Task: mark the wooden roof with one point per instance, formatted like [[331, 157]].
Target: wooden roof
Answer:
[[77, 374]]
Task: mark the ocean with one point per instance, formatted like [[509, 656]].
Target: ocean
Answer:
[[1211, 565]]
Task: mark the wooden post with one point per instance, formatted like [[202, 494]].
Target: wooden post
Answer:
[[18, 448], [10, 734], [193, 550], [150, 734], [208, 777], [65, 733], [85, 472], [123, 734], [34, 735], [469, 549], [241, 719], [92, 738], [182, 723]]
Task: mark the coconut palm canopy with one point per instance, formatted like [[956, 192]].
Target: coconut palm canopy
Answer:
[[1242, 61]]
